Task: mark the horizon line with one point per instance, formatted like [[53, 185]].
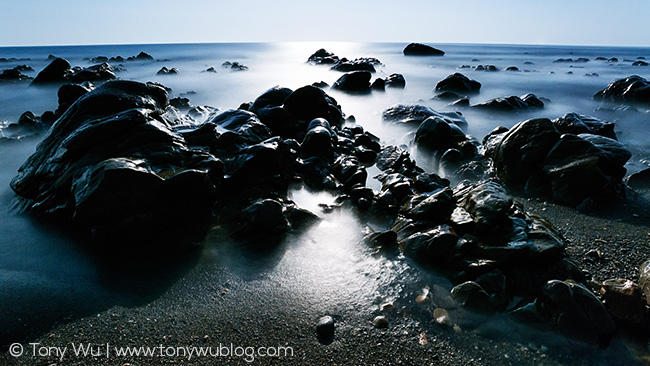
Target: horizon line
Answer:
[[280, 42]]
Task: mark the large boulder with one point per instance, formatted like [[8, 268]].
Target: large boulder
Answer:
[[113, 165], [536, 158], [632, 89], [419, 49]]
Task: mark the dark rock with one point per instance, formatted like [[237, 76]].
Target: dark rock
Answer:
[[394, 159], [379, 84], [435, 207], [112, 165], [624, 300], [182, 104], [325, 329], [58, 71], [22, 68], [234, 66], [318, 141], [438, 134], [322, 57], [470, 295], [576, 312], [261, 220], [414, 115], [512, 103], [321, 84], [356, 81], [576, 124], [512, 68], [142, 56], [489, 205], [395, 81], [380, 322], [640, 63], [166, 71], [612, 60], [640, 180], [633, 89], [69, 93], [210, 69], [13, 75], [458, 83], [94, 73], [448, 96], [418, 49], [309, 102], [300, 218], [432, 246], [358, 64]]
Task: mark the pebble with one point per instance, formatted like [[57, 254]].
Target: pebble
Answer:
[[380, 322], [325, 327]]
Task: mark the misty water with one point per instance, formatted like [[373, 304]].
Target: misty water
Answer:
[[42, 267]]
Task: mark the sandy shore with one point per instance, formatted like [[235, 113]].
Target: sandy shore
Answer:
[[215, 304]]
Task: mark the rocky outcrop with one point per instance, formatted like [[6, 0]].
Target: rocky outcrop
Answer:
[[413, 115], [112, 165], [358, 64], [322, 57], [356, 81], [534, 157], [419, 49], [632, 90]]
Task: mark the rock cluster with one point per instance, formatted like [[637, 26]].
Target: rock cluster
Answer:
[[60, 71]]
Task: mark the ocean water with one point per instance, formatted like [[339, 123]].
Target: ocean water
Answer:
[[43, 267]]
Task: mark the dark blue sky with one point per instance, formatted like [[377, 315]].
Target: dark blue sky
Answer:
[[570, 22]]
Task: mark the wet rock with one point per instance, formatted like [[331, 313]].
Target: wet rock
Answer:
[[414, 115], [458, 83], [639, 180], [436, 207], [395, 81], [512, 68], [511, 104], [576, 124], [489, 205], [69, 93], [356, 81], [58, 71], [576, 312], [631, 90], [394, 159], [358, 64], [308, 103], [234, 66], [380, 322], [640, 63], [318, 141], [89, 167], [142, 56], [436, 134], [210, 70], [624, 300], [447, 96], [379, 84], [261, 220], [28, 125], [418, 49], [322, 57], [325, 328], [470, 295], [349, 172], [432, 246], [165, 71], [13, 75], [100, 72], [644, 281], [183, 104]]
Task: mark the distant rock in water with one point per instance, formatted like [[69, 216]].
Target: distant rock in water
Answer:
[[458, 83], [234, 66], [419, 49], [358, 64], [322, 57], [640, 63], [100, 72], [58, 71], [13, 75], [112, 165], [511, 104], [395, 81], [142, 56], [633, 89], [165, 71]]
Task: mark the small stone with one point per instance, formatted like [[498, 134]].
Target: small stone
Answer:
[[387, 306], [380, 322], [325, 327]]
